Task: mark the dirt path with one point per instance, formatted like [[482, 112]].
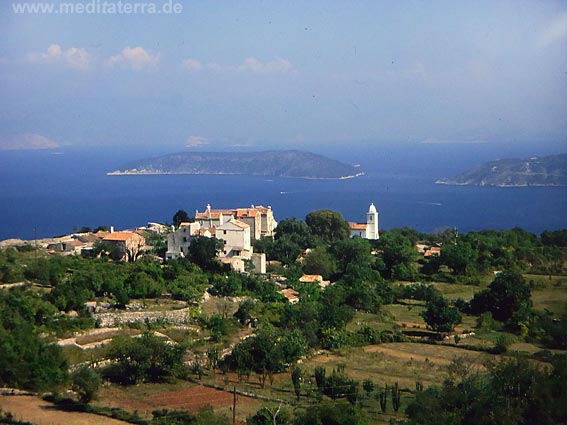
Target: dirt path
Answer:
[[40, 412]]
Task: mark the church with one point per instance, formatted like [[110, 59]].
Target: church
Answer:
[[368, 230]]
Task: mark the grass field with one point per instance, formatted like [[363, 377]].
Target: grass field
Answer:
[[405, 363]]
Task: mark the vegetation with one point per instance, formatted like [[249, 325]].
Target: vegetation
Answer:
[[514, 391], [290, 163], [376, 328]]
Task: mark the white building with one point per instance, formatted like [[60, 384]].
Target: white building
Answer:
[[368, 230], [235, 227], [178, 241], [259, 218], [236, 237]]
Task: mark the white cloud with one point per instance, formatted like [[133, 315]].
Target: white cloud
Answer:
[[214, 67], [435, 141], [276, 66], [27, 142], [192, 65], [554, 32], [74, 57], [135, 57], [249, 65], [194, 141]]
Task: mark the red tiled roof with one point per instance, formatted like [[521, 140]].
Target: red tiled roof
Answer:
[[356, 226], [247, 212], [212, 214], [238, 212], [121, 236]]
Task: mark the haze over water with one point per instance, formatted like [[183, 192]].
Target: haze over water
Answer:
[[412, 90]]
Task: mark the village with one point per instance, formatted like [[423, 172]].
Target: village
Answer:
[[233, 291], [237, 228]]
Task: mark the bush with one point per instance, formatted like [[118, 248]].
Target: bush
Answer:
[[86, 382], [144, 359]]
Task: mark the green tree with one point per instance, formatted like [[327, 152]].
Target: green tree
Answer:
[[328, 225], [555, 238], [285, 250], [296, 231], [179, 217], [260, 353], [355, 251], [86, 383], [368, 386], [203, 252], [460, 258], [440, 316], [144, 359], [398, 254], [319, 261], [270, 416], [296, 381], [291, 346], [508, 298], [27, 361]]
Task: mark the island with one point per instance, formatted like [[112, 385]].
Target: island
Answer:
[[535, 171], [285, 163]]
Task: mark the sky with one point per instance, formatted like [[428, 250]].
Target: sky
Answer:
[[258, 74]]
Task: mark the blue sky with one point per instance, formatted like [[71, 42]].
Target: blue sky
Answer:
[[276, 73]]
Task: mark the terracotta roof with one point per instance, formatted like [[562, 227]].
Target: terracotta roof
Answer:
[[306, 278], [237, 223], [247, 212], [208, 214], [238, 212], [432, 251], [356, 226], [121, 236], [290, 293], [201, 232]]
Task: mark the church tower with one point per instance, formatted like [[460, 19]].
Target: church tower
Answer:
[[372, 223]]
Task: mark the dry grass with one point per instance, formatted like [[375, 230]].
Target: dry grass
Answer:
[[181, 395], [550, 298], [404, 363], [455, 290], [97, 335], [40, 412]]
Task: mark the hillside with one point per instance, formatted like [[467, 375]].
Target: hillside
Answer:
[[536, 171], [291, 163]]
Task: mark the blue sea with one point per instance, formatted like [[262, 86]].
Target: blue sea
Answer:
[[48, 193]]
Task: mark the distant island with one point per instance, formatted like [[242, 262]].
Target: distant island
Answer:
[[536, 171], [288, 163]]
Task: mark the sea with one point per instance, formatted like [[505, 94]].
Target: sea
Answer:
[[54, 192]]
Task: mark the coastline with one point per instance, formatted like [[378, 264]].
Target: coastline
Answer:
[[158, 173], [449, 183]]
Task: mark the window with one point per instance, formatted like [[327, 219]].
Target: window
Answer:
[[224, 232]]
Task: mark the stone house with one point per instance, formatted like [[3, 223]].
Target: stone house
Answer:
[[127, 246]]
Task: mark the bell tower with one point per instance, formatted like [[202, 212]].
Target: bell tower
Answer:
[[372, 223]]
